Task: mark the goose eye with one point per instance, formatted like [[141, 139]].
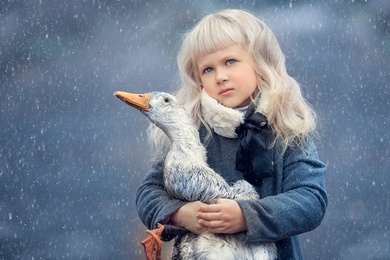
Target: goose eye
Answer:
[[166, 100]]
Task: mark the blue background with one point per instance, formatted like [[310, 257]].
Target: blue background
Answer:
[[72, 155]]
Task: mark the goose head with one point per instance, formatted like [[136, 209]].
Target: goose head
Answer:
[[161, 108]]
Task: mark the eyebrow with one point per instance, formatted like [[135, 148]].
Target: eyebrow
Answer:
[[228, 56]]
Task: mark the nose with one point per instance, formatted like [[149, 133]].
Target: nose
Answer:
[[222, 76]]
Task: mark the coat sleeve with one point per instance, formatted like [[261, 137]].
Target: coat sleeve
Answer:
[[299, 205], [154, 205]]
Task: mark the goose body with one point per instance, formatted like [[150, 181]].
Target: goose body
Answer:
[[188, 177]]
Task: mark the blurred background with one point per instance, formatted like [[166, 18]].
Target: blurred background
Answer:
[[72, 155]]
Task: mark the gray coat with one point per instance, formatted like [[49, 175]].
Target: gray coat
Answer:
[[293, 200]]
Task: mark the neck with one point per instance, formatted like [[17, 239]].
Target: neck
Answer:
[[185, 136]]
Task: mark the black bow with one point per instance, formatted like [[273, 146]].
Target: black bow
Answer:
[[254, 158]]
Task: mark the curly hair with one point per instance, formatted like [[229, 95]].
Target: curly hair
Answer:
[[278, 97]]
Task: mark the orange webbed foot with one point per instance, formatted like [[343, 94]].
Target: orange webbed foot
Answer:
[[153, 244]]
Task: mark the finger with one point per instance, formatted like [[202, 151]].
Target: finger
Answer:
[[216, 227], [216, 230], [213, 216], [213, 225]]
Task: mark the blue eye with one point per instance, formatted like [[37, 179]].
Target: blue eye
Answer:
[[230, 61], [207, 70]]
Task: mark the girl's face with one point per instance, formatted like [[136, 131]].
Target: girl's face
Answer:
[[228, 75]]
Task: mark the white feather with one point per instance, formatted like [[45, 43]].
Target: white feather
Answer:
[[188, 177]]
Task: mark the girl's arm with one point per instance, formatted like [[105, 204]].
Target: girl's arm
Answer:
[[299, 207]]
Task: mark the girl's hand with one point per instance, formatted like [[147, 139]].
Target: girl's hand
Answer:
[[223, 217], [185, 217]]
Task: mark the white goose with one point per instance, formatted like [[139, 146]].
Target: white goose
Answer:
[[188, 177]]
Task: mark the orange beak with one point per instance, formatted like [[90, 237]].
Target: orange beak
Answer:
[[139, 101]]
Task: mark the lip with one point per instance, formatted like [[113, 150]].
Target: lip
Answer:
[[225, 91]]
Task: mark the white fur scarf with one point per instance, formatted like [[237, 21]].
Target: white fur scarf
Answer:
[[223, 120]]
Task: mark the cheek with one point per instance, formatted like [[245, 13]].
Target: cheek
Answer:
[[211, 92], [208, 90], [250, 78], [208, 87]]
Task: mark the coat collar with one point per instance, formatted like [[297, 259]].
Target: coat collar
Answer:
[[223, 120]]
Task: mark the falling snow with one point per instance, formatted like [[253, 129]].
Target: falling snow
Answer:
[[72, 156]]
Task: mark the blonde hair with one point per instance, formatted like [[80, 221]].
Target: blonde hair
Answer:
[[278, 97]]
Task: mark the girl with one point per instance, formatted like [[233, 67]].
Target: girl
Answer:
[[255, 125]]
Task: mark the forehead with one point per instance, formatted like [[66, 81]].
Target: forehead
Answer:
[[232, 51]]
